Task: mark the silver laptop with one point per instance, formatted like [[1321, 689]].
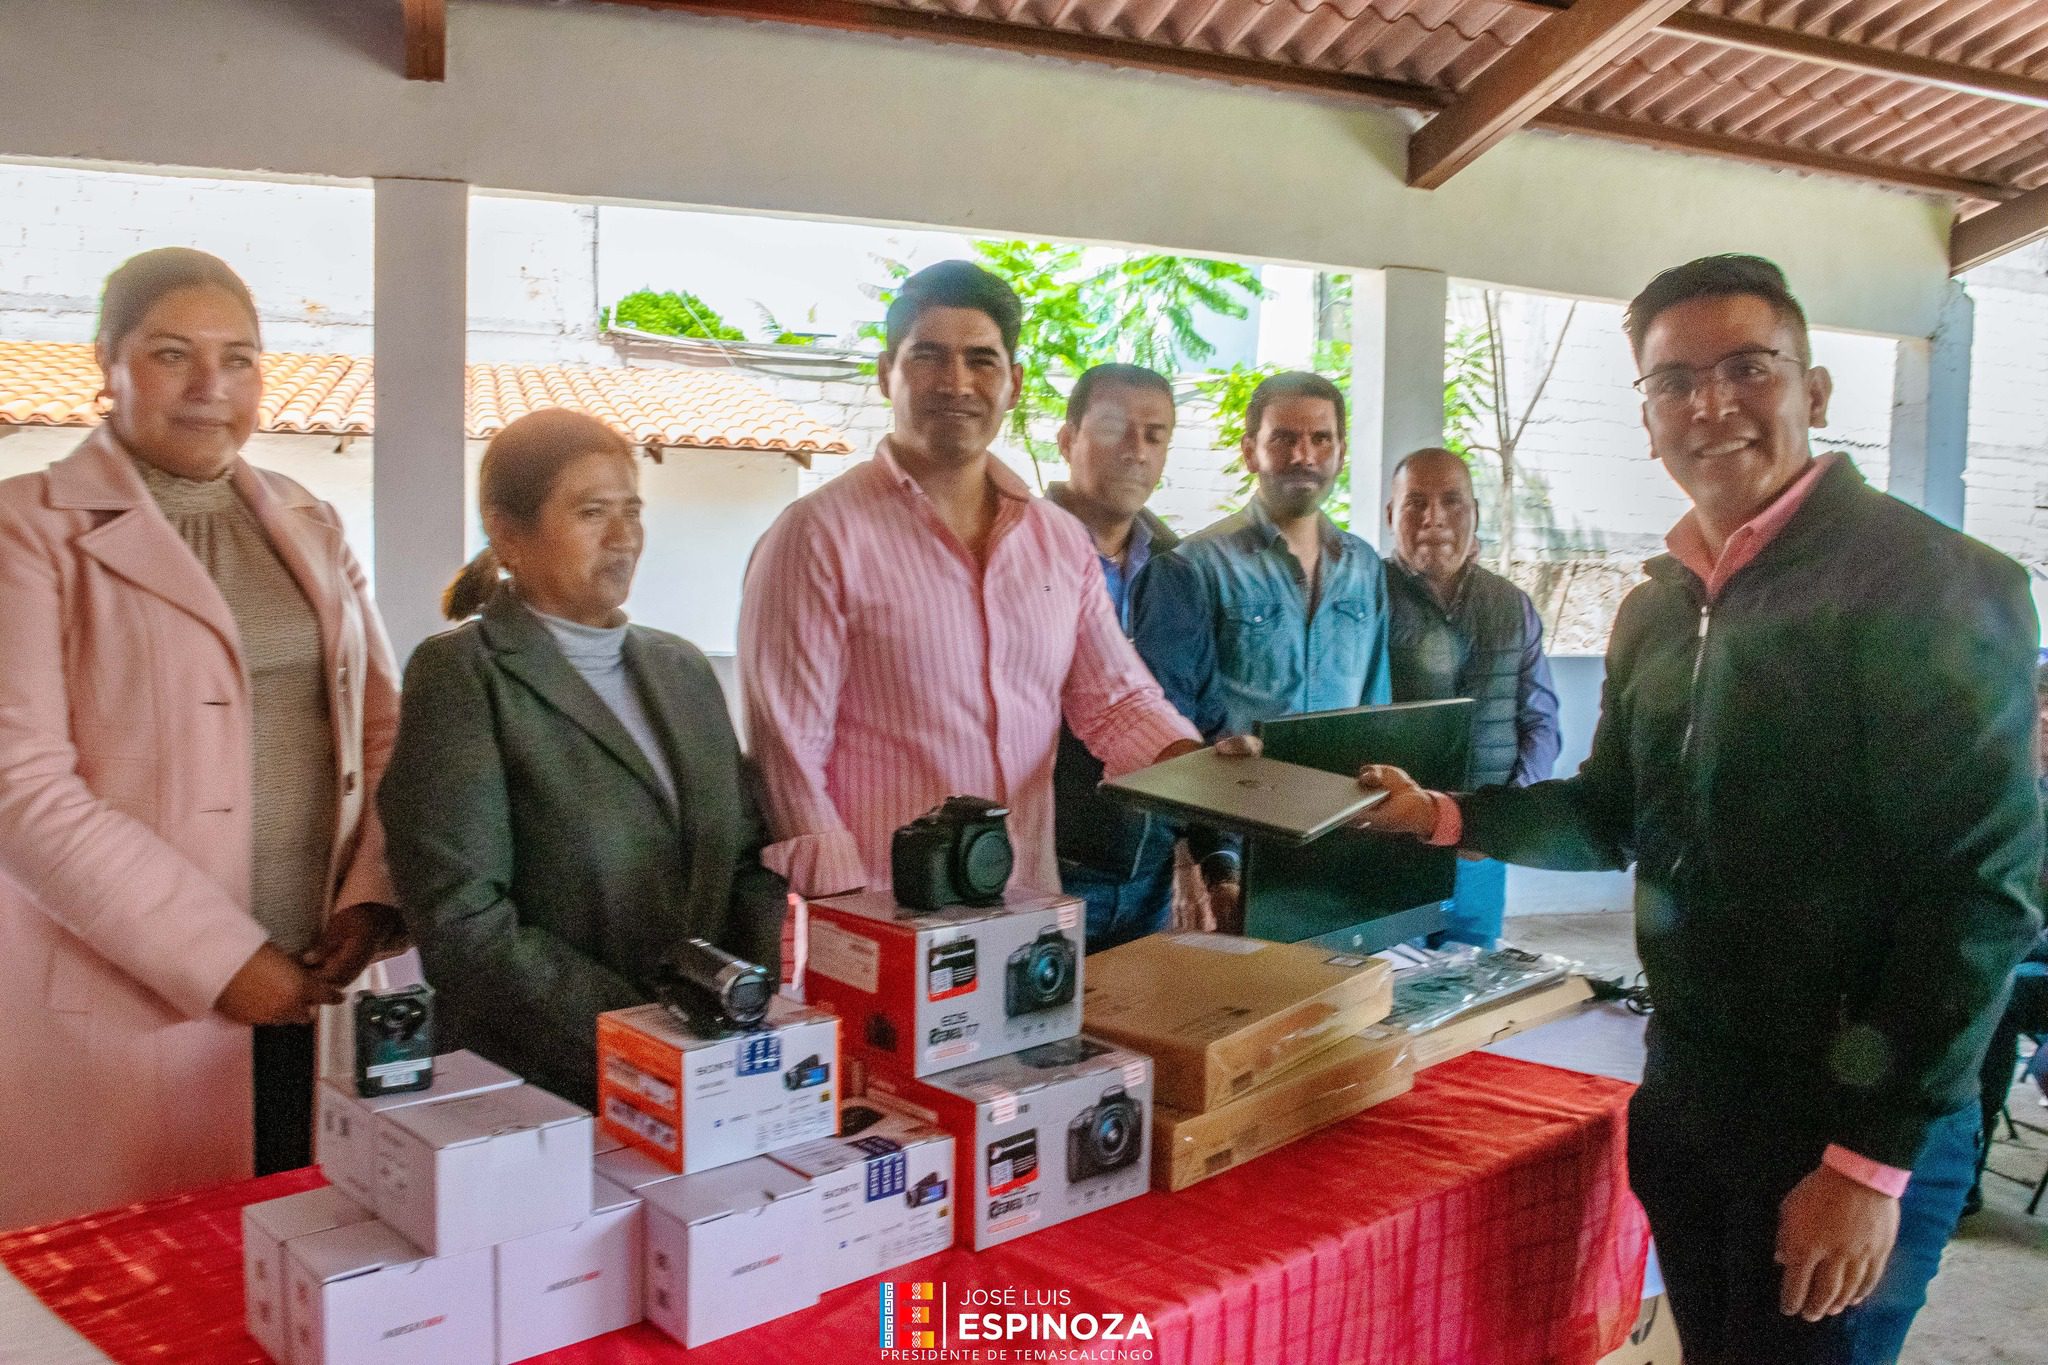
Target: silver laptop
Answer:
[[1262, 795]]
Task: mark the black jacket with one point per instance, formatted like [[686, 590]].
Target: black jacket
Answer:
[[1825, 782], [542, 869]]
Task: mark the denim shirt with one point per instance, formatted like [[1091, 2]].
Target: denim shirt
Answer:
[[1223, 621]]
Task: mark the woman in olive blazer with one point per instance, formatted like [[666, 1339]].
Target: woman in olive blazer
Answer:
[[567, 801]]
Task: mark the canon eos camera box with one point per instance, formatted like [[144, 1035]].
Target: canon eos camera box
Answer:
[[1048, 1134], [693, 1101], [922, 992], [885, 1193]]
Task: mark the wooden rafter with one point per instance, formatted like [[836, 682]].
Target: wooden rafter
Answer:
[[1772, 41], [1527, 79], [426, 40], [2011, 225], [853, 16]]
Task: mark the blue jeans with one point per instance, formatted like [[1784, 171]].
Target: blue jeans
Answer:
[[1120, 910], [1712, 1179], [1473, 914]]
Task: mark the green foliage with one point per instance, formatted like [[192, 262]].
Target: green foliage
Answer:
[[673, 314], [775, 334], [1141, 309]]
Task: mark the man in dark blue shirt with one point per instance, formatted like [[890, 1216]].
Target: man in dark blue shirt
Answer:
[[1115, 857], [1459, 630], [1273, 610]]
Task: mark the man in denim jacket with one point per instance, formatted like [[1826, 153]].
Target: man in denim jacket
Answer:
[[1273, 610]]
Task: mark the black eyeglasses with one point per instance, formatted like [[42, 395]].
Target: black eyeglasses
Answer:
[[1743, 372]]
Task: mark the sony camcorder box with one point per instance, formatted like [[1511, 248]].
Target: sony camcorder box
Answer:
[[885, 1193], [695, 1101], [1044, 1135], [1220, 1014], [926, 991]]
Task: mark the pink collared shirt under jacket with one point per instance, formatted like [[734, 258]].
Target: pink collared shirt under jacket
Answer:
[[884, 669]]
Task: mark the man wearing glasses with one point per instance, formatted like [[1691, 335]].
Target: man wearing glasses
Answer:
[[1814, 745]]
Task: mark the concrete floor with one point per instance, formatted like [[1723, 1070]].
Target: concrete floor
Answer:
[[1989, 1304]]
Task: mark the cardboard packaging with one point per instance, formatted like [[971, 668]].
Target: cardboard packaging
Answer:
[[1220, 1014], [574, 1283], [1489, 1024], [472, 1172], [695, 1103], [1045, 1135], [1333, 1084], [730, 1249], [266, 1228], [885, 1194], [363, 1295], [345, 1126], [923, 993], [631, 1170]]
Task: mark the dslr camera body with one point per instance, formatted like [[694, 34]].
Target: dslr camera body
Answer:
[[1039, 975], [394, 1041], [956, 853], [1104, 1137]]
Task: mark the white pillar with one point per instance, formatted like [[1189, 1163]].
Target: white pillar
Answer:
[[1397, 381], [1931, 412], [422, 253]]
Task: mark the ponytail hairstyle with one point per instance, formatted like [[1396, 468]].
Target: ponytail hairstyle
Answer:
[[520, 468]]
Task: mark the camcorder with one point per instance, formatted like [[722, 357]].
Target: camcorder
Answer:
[[957, 853], [394, 1041], [711, 991]]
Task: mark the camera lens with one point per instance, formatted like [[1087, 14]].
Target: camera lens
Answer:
[[401, 1018], [1112, 1132], [1048, 969], [985, 863]]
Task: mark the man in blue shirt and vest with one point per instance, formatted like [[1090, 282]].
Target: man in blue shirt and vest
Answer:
[[1459, 630], [1116, 858], [1273, 610]]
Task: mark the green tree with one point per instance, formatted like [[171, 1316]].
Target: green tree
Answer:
[[672, 314]]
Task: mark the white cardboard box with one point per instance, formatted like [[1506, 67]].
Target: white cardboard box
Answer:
[[561, 1287], [885, 1195], [630, 1170], [483, 1169], [345, 1129], [693, 1103], [266, 1227], [363, 1295], [730, 1249]]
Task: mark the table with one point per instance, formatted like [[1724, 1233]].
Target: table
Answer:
[[1484, 1217]]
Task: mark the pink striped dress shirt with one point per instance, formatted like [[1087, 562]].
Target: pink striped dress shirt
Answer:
[[884, 669]]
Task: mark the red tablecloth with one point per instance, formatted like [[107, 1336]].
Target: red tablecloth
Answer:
[[1485, 1217]]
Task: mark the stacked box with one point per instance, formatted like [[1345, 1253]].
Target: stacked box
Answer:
[[885, 1193]]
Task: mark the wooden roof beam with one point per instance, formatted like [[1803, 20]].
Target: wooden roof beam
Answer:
[[1559, 54], [2010, 226], [426, 39], [1818, 50]]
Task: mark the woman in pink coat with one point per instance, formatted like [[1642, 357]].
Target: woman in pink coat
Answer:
[[196, 703]]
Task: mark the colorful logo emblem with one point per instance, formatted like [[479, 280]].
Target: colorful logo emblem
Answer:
[[907, 1315]]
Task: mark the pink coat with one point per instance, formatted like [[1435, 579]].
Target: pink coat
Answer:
[[125, 830]]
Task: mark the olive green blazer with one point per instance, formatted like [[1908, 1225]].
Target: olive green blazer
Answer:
[[542, 869]]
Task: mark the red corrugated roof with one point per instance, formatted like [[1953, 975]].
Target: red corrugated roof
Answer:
[[51, 383]]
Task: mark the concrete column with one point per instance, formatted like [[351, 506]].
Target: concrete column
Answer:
[[1931, 412], [422, 253], [1397, 381]]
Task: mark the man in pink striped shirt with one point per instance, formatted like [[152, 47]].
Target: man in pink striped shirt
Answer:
[[918, 627]]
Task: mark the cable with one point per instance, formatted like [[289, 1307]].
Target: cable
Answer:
[[1635, 997]]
